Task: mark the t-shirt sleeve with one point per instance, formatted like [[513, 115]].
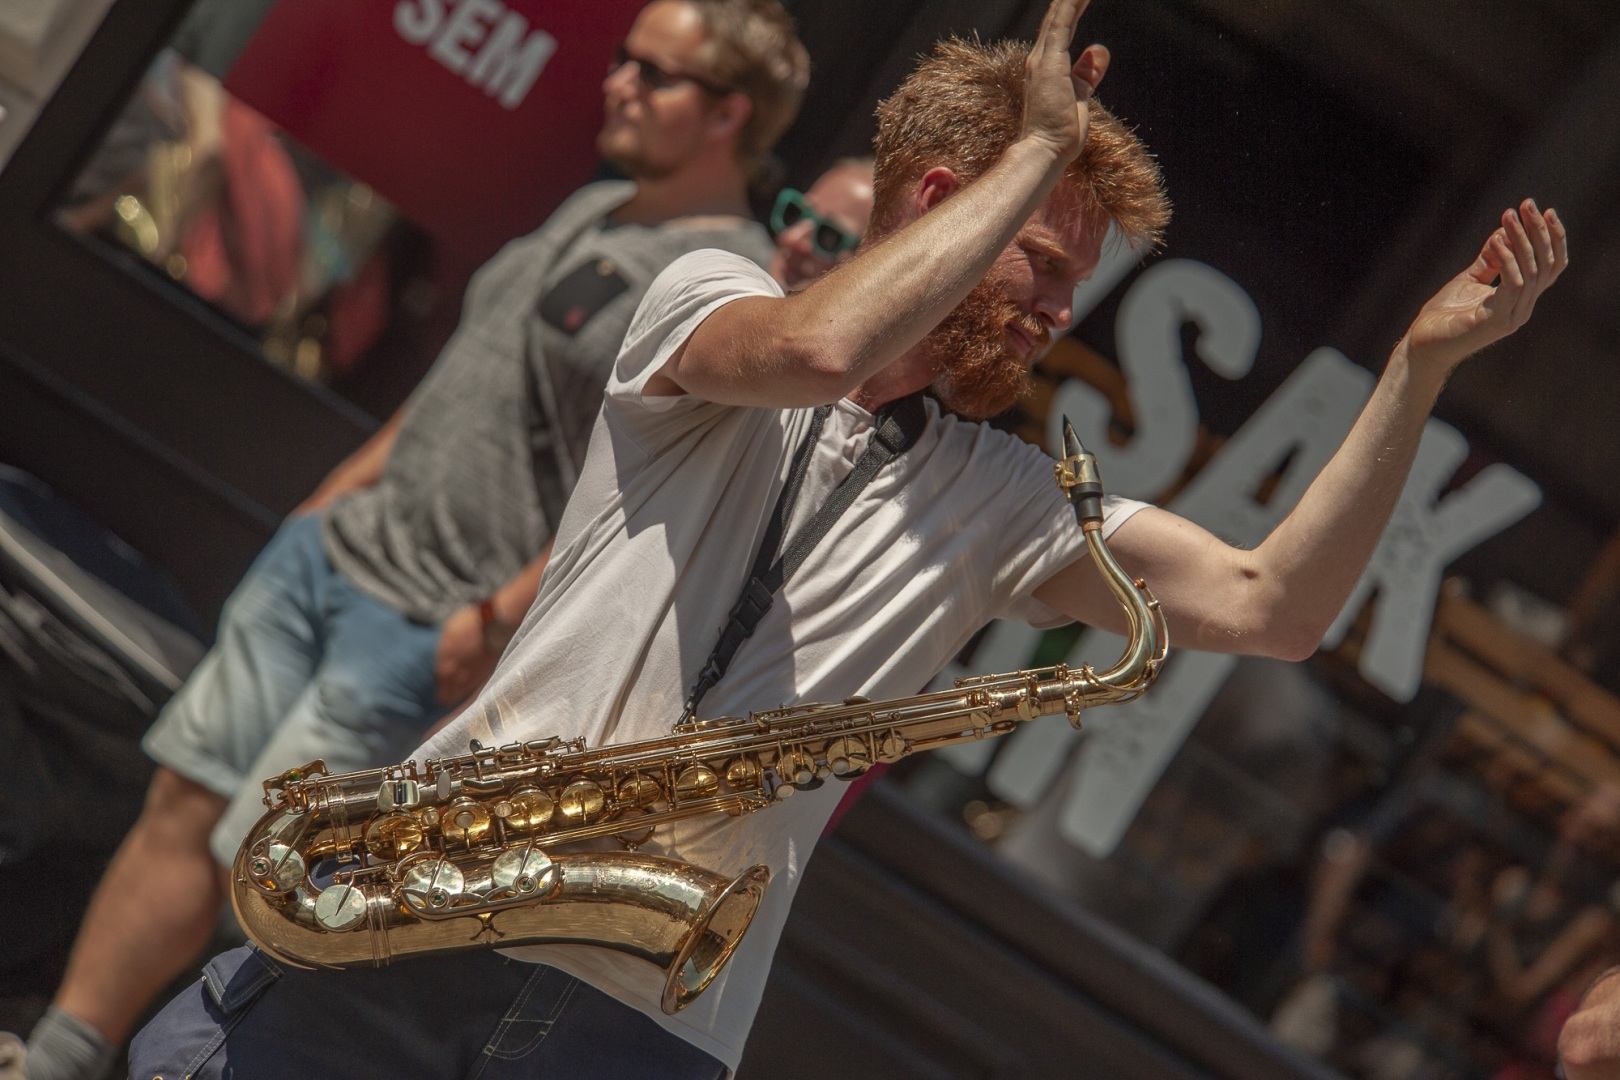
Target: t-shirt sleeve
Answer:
[[688, 291], [1040, 536]]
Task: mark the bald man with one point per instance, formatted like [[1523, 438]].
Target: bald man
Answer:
[[820, 228]]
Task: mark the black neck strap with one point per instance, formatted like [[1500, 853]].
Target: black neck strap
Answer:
[[899, 425]]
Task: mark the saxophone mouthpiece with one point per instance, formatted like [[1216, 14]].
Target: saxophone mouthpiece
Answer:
[[1071, 441], [1077, 475]]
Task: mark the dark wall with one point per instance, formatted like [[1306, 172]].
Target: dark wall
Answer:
[[135, 401]]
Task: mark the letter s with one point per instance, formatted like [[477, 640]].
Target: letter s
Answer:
[[418, 20], [1148, 336]]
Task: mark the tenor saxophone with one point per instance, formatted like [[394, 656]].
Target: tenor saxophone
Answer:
[[359, 868]]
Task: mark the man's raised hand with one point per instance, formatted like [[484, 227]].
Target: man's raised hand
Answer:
[[1056, 92], [1523, 257]]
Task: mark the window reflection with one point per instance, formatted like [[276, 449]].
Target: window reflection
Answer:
[[219, 200]]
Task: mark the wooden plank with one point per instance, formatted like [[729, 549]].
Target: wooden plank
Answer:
[[1477, 631], [1517, 762], [1529, 719]]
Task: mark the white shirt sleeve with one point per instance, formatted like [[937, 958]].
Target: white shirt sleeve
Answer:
[[1038, 531], [689, 290]]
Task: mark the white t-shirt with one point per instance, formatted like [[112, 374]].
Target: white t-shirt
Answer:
[[660, 534]]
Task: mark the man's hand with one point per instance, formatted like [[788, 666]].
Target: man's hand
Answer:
[[1055, 93], [463, 660], [1524, 256]]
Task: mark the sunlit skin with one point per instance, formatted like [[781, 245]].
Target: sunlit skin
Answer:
[[1052, 254], [984, 349], [842, 195]]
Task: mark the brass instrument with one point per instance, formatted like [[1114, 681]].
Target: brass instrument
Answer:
[[359, 868]]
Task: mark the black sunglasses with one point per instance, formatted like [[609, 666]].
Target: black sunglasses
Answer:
[[652, 77], [826, 239]]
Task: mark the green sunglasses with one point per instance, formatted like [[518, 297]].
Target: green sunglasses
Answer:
[[826, 239]]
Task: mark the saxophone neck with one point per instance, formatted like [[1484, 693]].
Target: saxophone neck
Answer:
[[1149, 638]]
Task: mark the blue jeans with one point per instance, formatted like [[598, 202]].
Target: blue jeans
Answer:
[[476, 1015], [306, 666]]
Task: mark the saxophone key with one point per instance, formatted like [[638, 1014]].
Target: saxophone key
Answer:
[[340, 907], [696, 782], [531, 809], [394, 836], [525, 871], [278, 868], [582, 802], [434, 884], [848, 756], [796, 767], [744, 772], [465, 821], [892, 748], [640, 790]]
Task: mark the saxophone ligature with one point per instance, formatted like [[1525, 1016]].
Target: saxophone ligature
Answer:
[[361, 868]]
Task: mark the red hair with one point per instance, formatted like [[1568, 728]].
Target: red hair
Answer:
[[964, 106]]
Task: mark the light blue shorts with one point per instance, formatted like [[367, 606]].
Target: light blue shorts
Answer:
[[306, 666]]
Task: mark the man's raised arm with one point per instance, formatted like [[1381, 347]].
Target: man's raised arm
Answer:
[[1280, 598], [816, 346]]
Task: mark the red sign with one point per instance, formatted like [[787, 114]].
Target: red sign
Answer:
[[474, 117]]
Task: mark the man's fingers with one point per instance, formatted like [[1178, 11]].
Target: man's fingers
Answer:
[[1560, 241], [1057, 26], [1506, 265], [1091, 67], [1540, 237], [1074, 20], [1044, 34], [1519, 241], [1488, 265]]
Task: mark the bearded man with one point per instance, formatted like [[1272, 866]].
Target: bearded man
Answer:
[[996, 181]]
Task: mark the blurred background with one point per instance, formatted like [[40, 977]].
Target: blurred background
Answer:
[[233, 235]]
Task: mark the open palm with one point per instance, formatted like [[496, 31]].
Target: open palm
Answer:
[[1056, 91], [1523, 257]]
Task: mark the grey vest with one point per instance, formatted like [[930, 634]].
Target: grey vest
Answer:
[[458, 510]]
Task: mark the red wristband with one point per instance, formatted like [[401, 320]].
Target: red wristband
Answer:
[[497, 631]]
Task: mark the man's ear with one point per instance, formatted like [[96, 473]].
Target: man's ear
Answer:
[[936, 185], [730, 114]]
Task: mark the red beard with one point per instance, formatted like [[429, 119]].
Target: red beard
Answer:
[[978, 375]]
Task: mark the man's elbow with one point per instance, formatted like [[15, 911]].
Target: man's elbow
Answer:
[[1280, 629], [1286, 642], [824, 367], [1297, 645], [1285, 631], [825, 373]]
